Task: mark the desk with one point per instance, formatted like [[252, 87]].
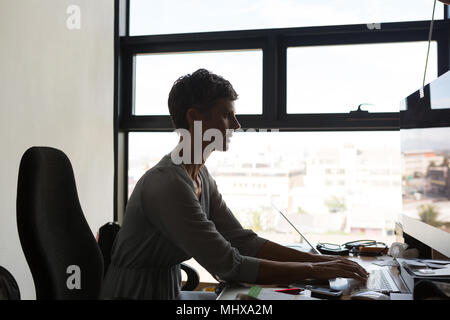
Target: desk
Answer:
[[230, 293]]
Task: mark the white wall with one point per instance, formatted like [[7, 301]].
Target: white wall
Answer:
[[56, 89]]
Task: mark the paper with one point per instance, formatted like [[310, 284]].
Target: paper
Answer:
[[444, 272], [428, 268], [269, 294], [436, 265], [414, 263], [436, 262], [386, 262]]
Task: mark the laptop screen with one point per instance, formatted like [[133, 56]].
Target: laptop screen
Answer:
[[312, 247]]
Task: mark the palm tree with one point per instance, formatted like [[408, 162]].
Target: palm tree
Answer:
[[429, 214]]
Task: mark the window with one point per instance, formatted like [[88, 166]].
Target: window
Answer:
[[329, 208], [178, 16], [333, 79], [145, 150], [156, 73], [426, 175]]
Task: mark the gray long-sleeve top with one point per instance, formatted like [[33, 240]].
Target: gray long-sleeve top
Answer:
[[165, 224]]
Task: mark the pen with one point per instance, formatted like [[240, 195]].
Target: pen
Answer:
[[290, 290]]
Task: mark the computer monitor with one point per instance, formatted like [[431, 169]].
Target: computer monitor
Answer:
[[425, 148], [426, 186]]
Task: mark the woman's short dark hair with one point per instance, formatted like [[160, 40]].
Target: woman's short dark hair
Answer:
[[200, 90]]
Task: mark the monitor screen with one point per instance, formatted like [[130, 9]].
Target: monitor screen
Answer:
[[426, 185], [439, 96]]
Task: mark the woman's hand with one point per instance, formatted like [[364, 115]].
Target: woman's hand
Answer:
[[339, 267], [280, 265], [276, 272], [331, 258]]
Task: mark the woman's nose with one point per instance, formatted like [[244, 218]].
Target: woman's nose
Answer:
[[237, 124]]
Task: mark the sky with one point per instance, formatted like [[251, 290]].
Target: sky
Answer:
[[428, 139]]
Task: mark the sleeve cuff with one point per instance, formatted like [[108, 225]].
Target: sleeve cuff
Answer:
[[249, 269]]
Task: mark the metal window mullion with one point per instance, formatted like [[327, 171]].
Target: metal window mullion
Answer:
[[282, 80], [126, 155], [127, 88], [121, 19], [443, 48], [443, 61], [358, 38], [270, 71], [196, 45]]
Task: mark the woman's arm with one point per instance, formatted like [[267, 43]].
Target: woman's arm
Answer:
[[273, 251], [297, 265], [284, 273]]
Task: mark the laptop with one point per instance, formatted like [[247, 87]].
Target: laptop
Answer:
[[313, 249], [379, 279]]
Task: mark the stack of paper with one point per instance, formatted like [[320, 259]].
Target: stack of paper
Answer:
[[429, 268]]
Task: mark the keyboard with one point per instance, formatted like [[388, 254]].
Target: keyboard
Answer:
[[381, 280]]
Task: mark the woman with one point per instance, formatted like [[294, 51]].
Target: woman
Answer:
[[176, 212]]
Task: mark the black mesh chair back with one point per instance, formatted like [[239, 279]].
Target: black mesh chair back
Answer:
[[59, 246]]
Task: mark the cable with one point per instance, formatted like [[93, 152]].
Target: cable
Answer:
[[429, 41]]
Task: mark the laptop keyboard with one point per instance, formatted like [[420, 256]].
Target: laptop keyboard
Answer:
[[381, 280]]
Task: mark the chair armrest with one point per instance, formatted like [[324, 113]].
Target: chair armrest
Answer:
[[193, 278]]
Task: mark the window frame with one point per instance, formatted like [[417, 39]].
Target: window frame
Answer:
[[274, 44]]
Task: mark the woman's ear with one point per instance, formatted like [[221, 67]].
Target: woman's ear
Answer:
[[191, 116]]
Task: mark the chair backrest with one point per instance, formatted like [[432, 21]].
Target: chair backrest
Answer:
[[59, 246], [9, 290], [106, 236]]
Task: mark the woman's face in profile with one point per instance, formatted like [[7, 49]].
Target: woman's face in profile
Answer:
[[222, 117]]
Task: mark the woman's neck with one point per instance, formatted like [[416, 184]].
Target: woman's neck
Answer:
[[193, 170]]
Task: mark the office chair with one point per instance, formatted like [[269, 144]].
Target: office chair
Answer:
[[106, 236], [9, 290], [105, 239], [61, 251], [193, 278]]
